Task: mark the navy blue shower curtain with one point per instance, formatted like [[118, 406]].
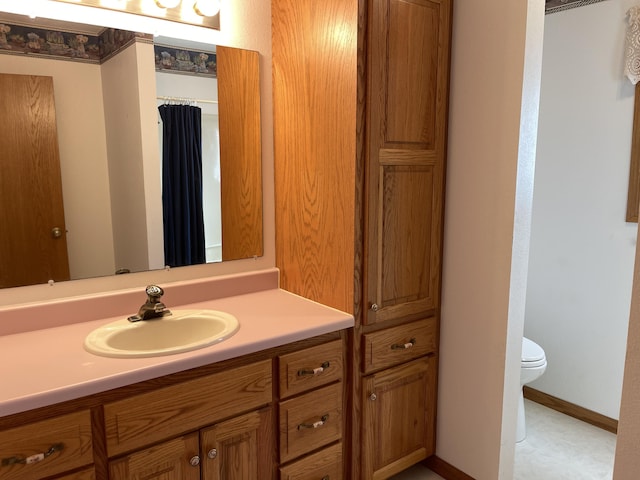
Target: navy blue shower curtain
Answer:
[[182, 185]]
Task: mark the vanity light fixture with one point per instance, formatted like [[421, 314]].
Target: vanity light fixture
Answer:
[[201, 13], [167, 3], [207, 8]]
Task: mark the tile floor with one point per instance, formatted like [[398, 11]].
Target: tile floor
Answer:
[[557, 447]]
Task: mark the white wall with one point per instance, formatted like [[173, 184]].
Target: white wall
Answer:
[[83, 158], [492, 106], [582, 251], [121, 92]]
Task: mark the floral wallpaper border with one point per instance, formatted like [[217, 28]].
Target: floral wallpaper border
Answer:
[[41, 42], [190, 62], [553, 6]]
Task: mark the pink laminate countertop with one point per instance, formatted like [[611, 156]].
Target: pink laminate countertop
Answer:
[[47, 366]]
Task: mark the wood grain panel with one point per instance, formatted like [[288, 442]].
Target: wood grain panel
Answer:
[[633, 194], [314, 76], [88, 474], [381, 349], [398, 418], [71, 434], [300, 371], [412, 65], [242, 448], [166, 461], [30, 184], [295, 438], [240, 152], [408, 66], [327, 463], [166, 412]]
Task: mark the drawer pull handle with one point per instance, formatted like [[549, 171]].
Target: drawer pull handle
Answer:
[[316, 371], [317, 424], [38, 457], [403, 346]]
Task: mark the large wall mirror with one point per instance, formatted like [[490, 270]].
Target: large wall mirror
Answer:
[[109, 136]]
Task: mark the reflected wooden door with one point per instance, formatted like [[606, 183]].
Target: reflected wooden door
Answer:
[[240, 152], [33, 245]]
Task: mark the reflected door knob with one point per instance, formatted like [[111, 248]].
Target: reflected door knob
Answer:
[[56, 232]]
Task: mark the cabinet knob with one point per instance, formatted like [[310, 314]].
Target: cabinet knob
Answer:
[[194, 461], [213, 453], [374, 307], [373, 397], [56, 232]]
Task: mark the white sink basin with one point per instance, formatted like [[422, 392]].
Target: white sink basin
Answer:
[[182, 331]]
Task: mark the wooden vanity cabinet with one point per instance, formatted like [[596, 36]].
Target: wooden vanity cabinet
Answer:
[[49, 447], [311, 406], [407, 45], [398, 412], [236, 449], [396, 55], [228, 444], [238, 419]]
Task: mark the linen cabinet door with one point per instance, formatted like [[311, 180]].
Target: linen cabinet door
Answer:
[[408, 59], [175, 459], [398, 413], [240, 448]]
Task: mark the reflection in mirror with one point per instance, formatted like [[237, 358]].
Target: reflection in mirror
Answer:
[[105, 123]]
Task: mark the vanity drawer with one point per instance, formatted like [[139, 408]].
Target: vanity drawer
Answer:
[[171, 411], [310, 421], [310, 368], [54, 446], [327, 463], [396, 345]]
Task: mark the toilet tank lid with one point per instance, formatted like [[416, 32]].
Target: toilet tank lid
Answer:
[[531, 351]]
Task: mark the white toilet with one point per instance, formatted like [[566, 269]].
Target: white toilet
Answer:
[[533, 364]]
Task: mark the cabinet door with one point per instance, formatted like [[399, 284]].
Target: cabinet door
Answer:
[[398, 412], [173, 460], [239, 449], [408, 61]]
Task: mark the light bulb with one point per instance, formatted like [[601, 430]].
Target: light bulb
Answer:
[[207, 8], [167, 3]]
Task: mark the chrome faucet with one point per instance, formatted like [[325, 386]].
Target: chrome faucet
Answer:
[[153, 307]]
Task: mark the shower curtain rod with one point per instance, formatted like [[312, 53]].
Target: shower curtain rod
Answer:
[[186, 100]]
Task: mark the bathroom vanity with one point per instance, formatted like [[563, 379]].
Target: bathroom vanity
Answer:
[[270, 398]]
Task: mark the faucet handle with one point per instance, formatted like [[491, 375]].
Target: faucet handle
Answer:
[[154, 292]]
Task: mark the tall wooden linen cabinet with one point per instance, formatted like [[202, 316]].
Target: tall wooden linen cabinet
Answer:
[[360, 116]]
